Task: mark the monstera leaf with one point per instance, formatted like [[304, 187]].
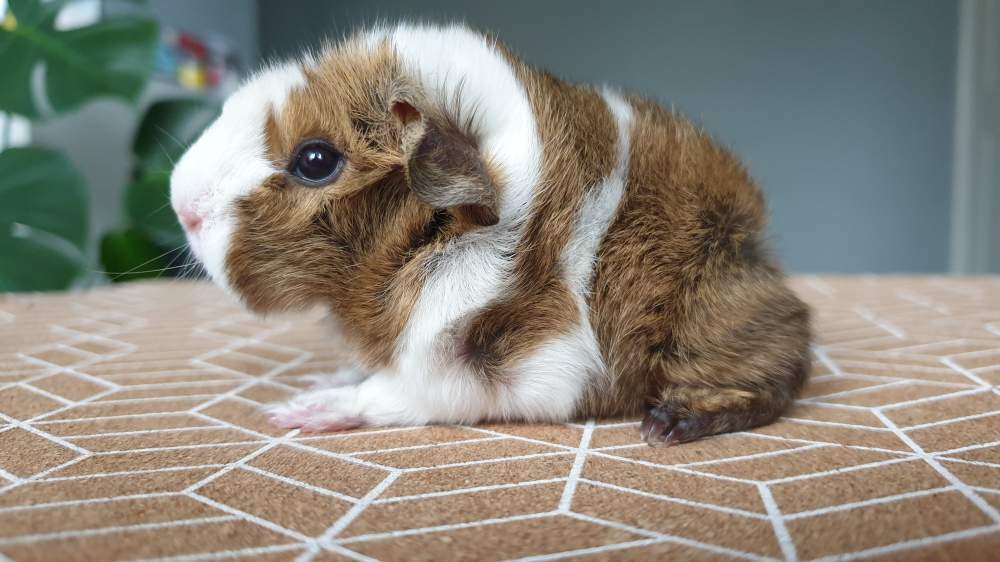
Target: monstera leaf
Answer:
[[43, 220], [167, 129], [111, 58]]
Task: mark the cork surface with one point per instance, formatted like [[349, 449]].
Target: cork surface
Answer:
[[130, 429]]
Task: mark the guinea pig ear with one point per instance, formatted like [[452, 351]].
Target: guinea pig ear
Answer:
[[443, 166]]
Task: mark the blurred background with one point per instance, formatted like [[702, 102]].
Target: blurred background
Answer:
[[873, 127]]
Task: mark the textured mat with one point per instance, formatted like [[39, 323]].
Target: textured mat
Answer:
[[129, 429]]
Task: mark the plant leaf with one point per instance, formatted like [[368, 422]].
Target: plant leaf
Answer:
[[43, 220], [111, 58], [167, 129], [128, 255], [147, 203]]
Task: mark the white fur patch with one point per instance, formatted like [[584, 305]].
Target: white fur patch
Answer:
[[460, 69], [554, 378], [601, 204], [229, 160]]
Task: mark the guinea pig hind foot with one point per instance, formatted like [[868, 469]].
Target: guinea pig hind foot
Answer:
[[686, 414]]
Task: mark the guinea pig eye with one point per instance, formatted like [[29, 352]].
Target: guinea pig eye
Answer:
[[317, 162]]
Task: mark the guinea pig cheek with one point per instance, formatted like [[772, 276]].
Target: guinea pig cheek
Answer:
[[213, 241], [212, 248]]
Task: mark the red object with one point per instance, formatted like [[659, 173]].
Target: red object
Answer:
[[192, 46]]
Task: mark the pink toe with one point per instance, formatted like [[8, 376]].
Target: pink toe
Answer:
[[290, 420], [282, 422]]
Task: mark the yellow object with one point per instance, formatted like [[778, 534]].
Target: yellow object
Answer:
[[191, 76], [9, 22]]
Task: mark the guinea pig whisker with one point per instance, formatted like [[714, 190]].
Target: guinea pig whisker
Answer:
[[178, 253], [172, 137], [198, 269], [143, 264], [191, 270], [166, 153], [136, 272], [157, 210]]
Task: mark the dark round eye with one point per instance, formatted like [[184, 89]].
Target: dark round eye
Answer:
[[317, 162]]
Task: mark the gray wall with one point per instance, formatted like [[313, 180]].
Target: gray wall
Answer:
[[842, 110]]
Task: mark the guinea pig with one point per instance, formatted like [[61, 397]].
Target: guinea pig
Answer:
[[493, 243]]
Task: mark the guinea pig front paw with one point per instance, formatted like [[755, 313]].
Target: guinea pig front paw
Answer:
[[317, 411]]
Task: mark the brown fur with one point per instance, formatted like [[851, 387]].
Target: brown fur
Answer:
[[693, 318], [444, 167], [692, 314]]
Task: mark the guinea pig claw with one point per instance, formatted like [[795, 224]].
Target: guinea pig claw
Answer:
[[679, 434], [662, 429], [656, 424]]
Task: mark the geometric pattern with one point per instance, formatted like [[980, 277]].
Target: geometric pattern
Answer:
[[130, 429]]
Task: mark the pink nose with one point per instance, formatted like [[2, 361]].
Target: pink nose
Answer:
[[190, 220]]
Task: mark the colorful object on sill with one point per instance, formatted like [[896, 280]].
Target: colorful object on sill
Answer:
[[194, 63]]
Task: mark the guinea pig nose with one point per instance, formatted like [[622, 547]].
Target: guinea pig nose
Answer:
[[190, 220]]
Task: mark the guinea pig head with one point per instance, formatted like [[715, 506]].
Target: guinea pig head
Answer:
[[323, 180]]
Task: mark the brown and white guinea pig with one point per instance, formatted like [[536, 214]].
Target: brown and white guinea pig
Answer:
[[494, 243]]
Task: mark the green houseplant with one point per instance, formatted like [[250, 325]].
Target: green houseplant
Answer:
[[151, 243], [43, 200]]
